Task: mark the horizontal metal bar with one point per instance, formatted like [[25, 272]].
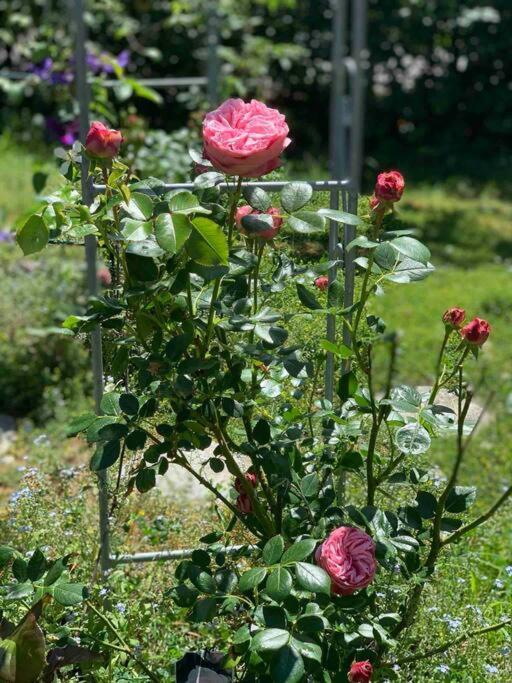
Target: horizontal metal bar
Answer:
[[180, 554], [275, 185], [162, 82]]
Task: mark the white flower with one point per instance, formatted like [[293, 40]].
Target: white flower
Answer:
[[491, 669], [443, 668]]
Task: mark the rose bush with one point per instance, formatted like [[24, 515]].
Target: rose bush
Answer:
[[343, 521]]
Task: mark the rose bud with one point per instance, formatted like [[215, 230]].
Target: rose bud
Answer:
[[348, 556], [266, 235], [389, 186], [476, 332], [322, 283], [245, 138], [243, 503], [250, 477], [104, 276], [102, 142], [360, 672], [454, 318], [374, 203]]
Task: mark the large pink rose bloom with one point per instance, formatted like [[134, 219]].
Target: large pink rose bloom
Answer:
[[245, 138], [348, 556]]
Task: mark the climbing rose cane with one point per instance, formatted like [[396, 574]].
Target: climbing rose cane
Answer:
[[389, 187], [322, 283], [476, 332], [245, 138], [454, 318], [348, 556], [266, 235], [102, 142], [360, 672]]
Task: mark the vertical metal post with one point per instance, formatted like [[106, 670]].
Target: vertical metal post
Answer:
[[359, 11], [337, 155], [213, 64], [83, 97]]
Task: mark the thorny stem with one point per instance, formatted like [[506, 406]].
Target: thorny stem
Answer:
[[312, 396]]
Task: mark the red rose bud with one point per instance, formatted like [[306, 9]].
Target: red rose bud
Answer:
[[476, 332], [389, 186], [322, 283], [360, 672], [104, 276], [374, 203], [250, 477], [266, 235], [454, 317], [243, 503], [102, 142]]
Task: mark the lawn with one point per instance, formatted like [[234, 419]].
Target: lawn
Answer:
[[50, 500]]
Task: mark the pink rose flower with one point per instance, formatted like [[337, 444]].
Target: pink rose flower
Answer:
[[389, 186], [348, 556], [269, 234], [476, 332], [243, 503], [102, 142], [104, 276], [245, 138], [322, 283], [250, 477], [454, 317], [360, 672]]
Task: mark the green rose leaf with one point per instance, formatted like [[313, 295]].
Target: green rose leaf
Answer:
[[136, 231], [36, 565], [140, 207], [300, 550], [68, 594], [412, 248], [307, 648], [106, 455], [252, 578], [257, 198], [270, 639], [339, 350], [172, 231], [295, 195], [460, 499], [207, 243], [427, 504], [341, 216], [307, 298], [313, 578], [288, 666], [186, 203], [413, 439], [273, 550], [33, 235], [279, 584], [306, 222]]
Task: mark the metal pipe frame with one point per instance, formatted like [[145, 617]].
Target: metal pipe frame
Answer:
[[345, 152]]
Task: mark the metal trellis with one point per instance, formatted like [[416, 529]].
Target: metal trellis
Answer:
[[345, 152]]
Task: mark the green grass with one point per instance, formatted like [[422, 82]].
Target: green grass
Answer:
[[469, 236]]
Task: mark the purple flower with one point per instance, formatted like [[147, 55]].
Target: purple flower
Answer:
[[43, 70], [102, 64], [6, 236], [123, 59], [67, 132]]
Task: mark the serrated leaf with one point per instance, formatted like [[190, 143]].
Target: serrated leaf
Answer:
[[307, 298], [288, 666], [68, 594], [105, 456], [140, 207], [460, 499], [413, 439], [252, 578], [33, 235], [306, 222], [300, 550], [295, 195], [207, 243], [279, 584], [136, 231], [186, 203], [36, 565], [269, 640], [412, 248], [257, 198], [341, 216], [313, 578], [172, 231], [273, 550]]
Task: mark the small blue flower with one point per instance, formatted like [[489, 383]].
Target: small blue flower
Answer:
[[498, 583], [443, 668], [121, 607], [508, 570], [491, 669]]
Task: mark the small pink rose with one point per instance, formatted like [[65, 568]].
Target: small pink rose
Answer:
[[104, 276], [243, 503], [322, 283], [102, 142], [245, 138], [266, 235], [476, 332], [348, 556], [454, 317], [250, 477], [360, 672], [389, 186]]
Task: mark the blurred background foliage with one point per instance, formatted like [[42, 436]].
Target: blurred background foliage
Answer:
[[439, 96]]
